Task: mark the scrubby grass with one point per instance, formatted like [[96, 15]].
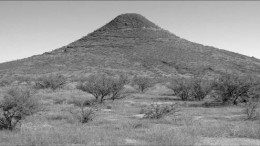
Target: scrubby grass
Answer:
[[65, 136], [178, 136], [157, 111], [115, 123], [53, 81]]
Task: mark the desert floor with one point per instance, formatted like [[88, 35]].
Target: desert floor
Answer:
[[120, 122]]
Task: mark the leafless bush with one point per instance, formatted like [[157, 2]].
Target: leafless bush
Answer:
[[200, 88], [194, 88], [52, 81], [182, 88], [84, 115], [101, 86], [157, 111], [97, 85], [231, 88], [253, 102], [251, 109], [142, 83], [117, 86], [15, 106]]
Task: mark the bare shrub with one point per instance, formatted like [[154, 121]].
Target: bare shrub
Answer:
[[231, 88], [251, 109], [200, 88], [117, 86], [253, 102], [101, 86], [52, 81], [157, 111], [84, 115], [15, 106], [194, 88], [142, 83], [181, 87], [97, 85]]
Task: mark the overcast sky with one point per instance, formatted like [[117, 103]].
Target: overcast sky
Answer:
[[29, 28]]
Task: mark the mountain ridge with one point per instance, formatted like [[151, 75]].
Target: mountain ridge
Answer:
[[131, 43]]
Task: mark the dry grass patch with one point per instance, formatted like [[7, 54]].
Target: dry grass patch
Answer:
[[67, 135], [248, 129], [178, 136]]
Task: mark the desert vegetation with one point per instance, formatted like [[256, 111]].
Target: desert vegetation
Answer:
[[16, 104], [193, 88], [101, 86], [130, 82], [232, 87], [143, 83], [53, 81], [157, 111], [5, 82], [120, 110]]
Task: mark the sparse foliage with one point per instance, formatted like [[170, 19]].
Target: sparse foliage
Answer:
[[52, 81], [231, 88], [194, 88], [117, 87], [157, 111], [101, 86], [251, 109], [200, 88], [15, 106], [124, 79], [24, 79], [253, 102], [254, 92], [181, 88], [83, 114], [142, 83]]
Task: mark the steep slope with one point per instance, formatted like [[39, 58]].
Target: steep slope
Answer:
[[131, 43]]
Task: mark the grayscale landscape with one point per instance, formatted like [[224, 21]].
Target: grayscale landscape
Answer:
[[131, 82]]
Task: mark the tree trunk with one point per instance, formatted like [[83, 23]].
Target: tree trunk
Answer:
[[101, 100]]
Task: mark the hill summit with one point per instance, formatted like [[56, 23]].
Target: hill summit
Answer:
[[132, 44], [129, 20]]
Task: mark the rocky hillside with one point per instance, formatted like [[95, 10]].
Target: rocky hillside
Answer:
[[131, 43]]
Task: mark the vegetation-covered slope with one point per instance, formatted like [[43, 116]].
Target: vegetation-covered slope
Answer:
[[131, 43]]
